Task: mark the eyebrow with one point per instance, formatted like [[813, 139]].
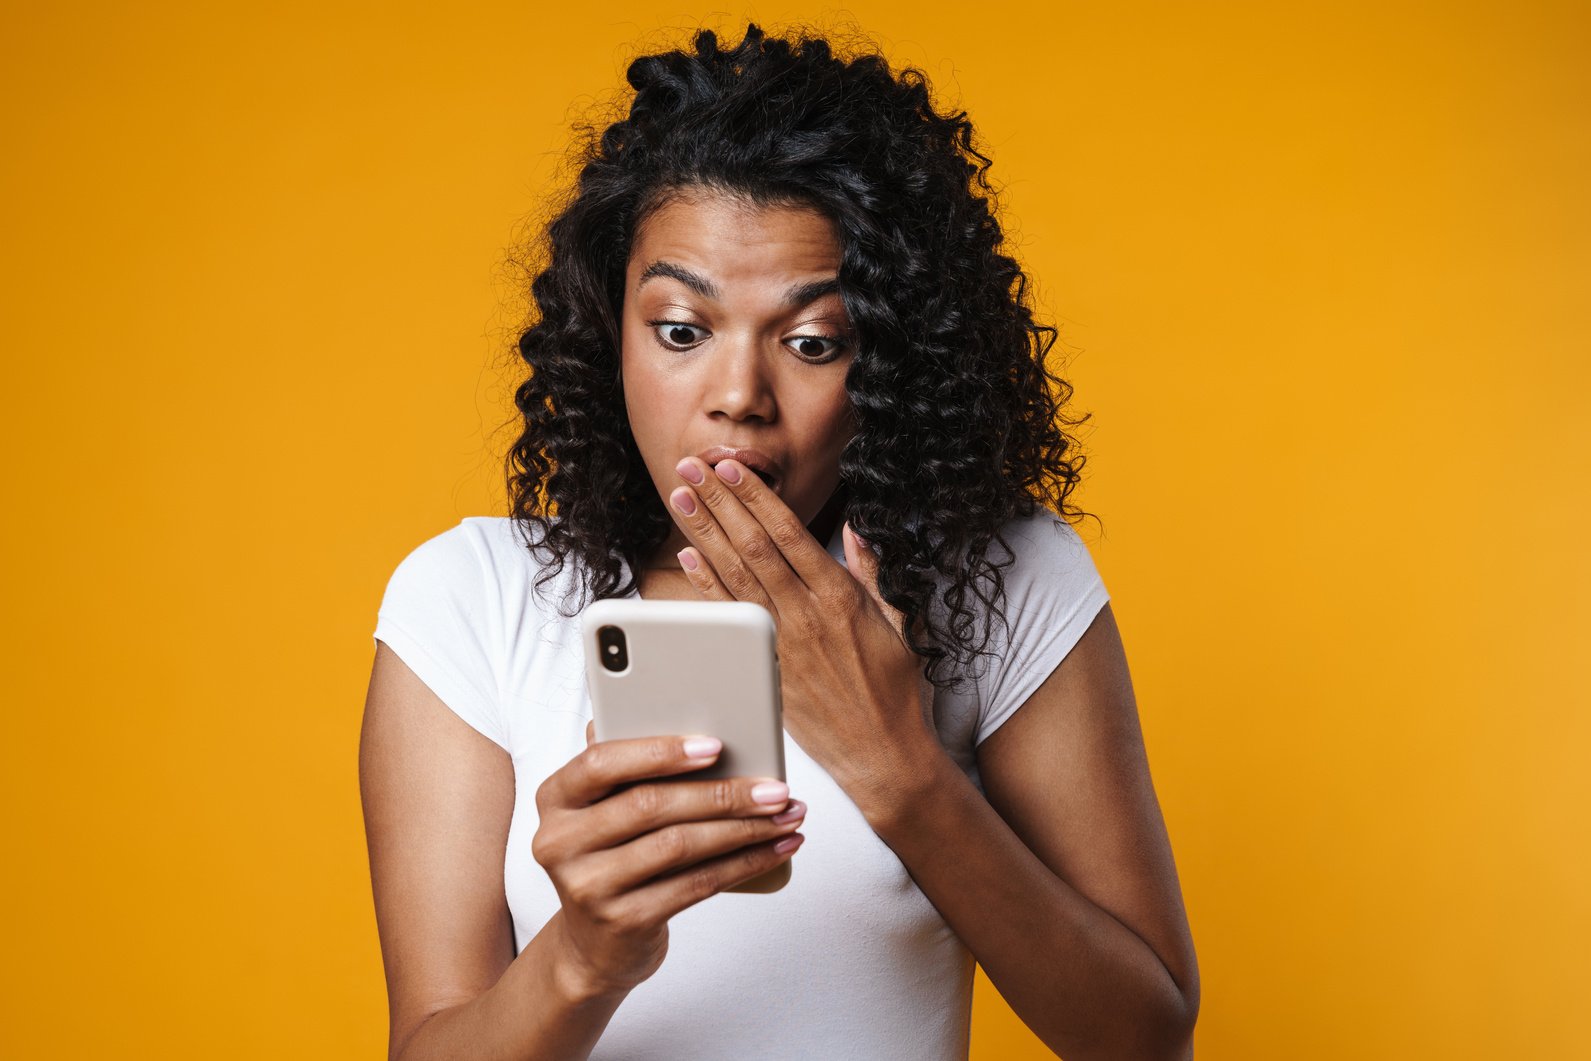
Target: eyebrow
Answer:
[[699, 284], [799, 295]]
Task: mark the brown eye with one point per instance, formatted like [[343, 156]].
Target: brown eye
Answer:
[[676, 335], [816, 348]]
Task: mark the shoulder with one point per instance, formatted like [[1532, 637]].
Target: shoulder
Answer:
[[1050, 593], [492, 548], [462, 612], [1044, 529], [1043, 555], [476, 539], [481, 571], [1037, 568]]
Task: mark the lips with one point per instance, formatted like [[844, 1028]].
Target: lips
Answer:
[[766, 468]]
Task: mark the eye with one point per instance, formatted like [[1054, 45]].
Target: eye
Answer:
[[817, 349], [676, 335]]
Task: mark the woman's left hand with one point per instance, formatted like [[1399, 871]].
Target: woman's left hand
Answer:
[[855, 696]]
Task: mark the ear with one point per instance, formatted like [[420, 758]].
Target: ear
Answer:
[[862, 562]]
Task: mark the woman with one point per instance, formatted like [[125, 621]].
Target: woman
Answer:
[[779, 357]]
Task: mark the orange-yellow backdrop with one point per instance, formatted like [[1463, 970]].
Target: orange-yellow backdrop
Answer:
[[1322, 276]]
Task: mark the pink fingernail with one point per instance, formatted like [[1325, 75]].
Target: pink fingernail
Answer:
[[686, 559], [683, 501], [770, 792], [689, 472], [788, 844], [796, 811], [727, 472], [702, 747]]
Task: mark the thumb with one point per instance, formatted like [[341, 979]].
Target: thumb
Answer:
[[862, 562], [591, 733]]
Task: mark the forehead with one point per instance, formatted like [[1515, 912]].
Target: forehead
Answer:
[[733, 241]]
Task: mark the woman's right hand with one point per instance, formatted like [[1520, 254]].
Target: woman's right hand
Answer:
[[625, 860]]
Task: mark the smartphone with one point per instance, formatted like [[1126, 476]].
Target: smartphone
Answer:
[[657, 668]]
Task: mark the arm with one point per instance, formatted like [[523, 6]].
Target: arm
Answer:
[[438, 797], [624, 855], [1070, 901], [1061, 883]]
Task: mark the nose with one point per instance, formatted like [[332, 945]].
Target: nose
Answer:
[[739, 383]]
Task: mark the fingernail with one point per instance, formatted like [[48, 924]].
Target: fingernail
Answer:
[[788, 844], [728, 472], [689, 472], [796, 811], [702, 747], [686, 560], [770, 792], [683, 501]]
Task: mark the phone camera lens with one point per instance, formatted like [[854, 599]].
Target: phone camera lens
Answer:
[[613, 649]]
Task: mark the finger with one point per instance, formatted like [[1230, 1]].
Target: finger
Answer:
[[804, 554], [591, 733], [701, 575], [713, 545], [643, 808], [664, 898], [605, 765], [741, 530], [862, 562], [675, 847]]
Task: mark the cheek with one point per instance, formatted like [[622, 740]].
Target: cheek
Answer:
[[642, 408], [642, 388], [631, 367], [830, 423]]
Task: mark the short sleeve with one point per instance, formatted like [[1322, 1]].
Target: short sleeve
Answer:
[[1052, 593], [441, 614]]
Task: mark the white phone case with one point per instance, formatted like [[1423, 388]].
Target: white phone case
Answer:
[[692, 667]]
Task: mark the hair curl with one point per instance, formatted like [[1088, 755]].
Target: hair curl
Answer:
[[959, 420]]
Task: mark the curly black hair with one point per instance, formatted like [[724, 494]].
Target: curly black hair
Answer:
[[959, 419]]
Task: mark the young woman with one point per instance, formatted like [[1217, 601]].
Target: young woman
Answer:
[[778, 356]]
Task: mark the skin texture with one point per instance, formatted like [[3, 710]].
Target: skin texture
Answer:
[[760, 372], [962, 426], [1060, 882], [438, 800]]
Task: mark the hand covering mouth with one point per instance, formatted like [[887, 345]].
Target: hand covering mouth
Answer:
[[763, 466]]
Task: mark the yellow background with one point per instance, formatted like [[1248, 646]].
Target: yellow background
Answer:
[[1321, 274]]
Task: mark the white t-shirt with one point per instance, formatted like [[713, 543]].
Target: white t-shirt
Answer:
[[848, 960]]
